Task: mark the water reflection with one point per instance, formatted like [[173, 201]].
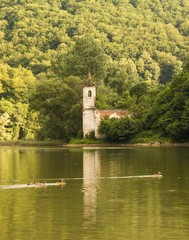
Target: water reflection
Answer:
[[17, 164], [23, 165], [91, 172], [145, 207], [101, 199]]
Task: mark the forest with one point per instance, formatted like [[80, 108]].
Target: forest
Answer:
[[135, 50]]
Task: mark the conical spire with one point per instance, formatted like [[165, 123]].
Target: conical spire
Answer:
[[89, 79]]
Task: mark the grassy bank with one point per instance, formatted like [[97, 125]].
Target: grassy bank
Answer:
[[86, 141], [137, 141], [146, 137], [32, 143]]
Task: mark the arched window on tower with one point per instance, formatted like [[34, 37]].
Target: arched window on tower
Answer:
[[89, 93]]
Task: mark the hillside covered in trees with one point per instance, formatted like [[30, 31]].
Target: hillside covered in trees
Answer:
[[134, 49]]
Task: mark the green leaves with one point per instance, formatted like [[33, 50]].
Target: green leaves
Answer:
[[122, 43], [118, 130], [125, 28], [15, 83], [60, 107], [171, 111], [86, 56]]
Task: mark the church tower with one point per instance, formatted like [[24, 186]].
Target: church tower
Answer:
[[89, 97]]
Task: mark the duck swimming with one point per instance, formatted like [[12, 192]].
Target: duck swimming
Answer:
[[62, 182], [42, 184], [159, 174], [32, 183]]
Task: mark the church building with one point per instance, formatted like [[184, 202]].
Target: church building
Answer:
[[93, 116]]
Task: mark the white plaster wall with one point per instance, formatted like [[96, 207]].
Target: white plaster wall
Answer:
[[97, 123], [88, 121], [89, 102]]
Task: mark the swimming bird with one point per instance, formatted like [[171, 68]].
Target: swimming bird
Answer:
[[42, 184], [62, 182], [32, 183], [159, 174]]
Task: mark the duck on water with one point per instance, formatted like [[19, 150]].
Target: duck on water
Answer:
[[159, 174], [61, 182], [38, 184]]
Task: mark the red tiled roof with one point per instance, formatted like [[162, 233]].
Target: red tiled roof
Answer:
[[113, 113]]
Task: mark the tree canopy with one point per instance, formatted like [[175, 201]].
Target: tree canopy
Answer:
[[153, 34], [171, 110], [87, 55], [133, 49]]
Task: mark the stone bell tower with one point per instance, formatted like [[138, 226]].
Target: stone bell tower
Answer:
[[89, 97]]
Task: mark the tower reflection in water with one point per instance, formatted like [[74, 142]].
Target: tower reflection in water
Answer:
[[91, 172]]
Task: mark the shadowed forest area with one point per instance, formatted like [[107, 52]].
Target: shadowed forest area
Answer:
[[135, 50]]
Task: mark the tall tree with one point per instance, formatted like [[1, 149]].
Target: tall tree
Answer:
[[87, 55], [60, 108]]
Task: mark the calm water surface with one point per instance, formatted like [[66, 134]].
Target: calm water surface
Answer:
[[103, 198]]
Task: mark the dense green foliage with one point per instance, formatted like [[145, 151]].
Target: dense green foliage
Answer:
[[151, 36], [16, 120], [86, 56], [59, 104], [165, 112], [118, 130], [132, 48], [170, 114]]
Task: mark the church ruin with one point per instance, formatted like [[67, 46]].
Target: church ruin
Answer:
[[93, 116]]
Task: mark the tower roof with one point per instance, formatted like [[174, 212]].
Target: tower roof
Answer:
[[89, 80]]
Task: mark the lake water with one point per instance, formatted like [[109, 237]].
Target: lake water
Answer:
[[110, 193]]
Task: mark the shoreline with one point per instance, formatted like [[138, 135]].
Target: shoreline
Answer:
[[129, 145], [67, 145]]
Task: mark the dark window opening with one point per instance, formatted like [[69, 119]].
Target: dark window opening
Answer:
[[89, 93]]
